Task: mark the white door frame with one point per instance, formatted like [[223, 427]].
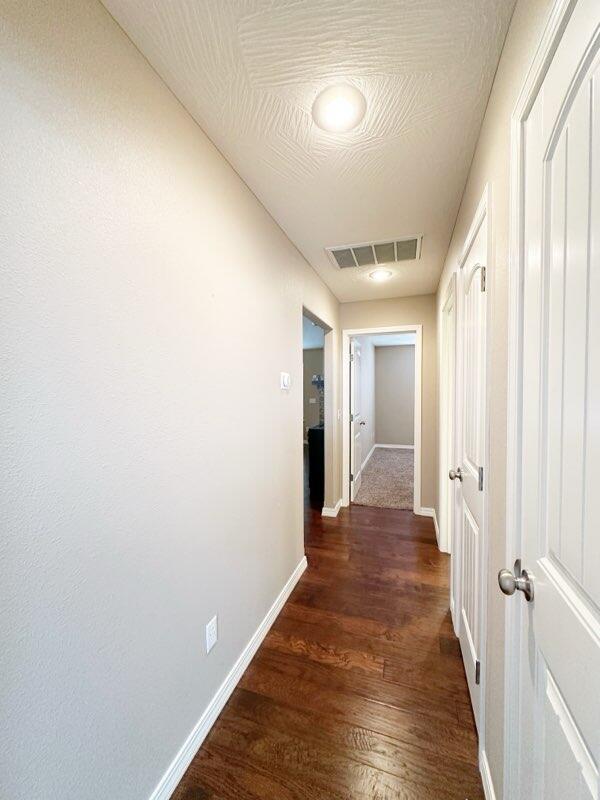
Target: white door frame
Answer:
[[553, 30], [448, 419], [328, 401], [347, 334]]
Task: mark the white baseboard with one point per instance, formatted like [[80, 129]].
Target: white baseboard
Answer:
[[190, 747], [425, 512], [486, 777], [331, 512], [452, 614], [430, 512], [364, 464], [397, 446]]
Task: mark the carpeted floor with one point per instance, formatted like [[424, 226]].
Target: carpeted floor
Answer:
[[387, 479]]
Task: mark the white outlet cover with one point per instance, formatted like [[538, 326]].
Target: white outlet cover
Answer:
[[286, 381], [211, 634], [312, 401]]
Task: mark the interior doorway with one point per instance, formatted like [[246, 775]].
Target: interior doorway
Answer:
[[382, 417], [313, 414]]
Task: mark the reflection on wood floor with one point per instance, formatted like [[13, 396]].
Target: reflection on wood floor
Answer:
[[358, 691]]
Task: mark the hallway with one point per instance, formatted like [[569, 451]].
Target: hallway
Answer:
[[358, 691]]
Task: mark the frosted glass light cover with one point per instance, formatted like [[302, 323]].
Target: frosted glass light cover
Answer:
[[339, 108]]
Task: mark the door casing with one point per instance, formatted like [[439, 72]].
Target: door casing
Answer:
[[347, 334], [447, 418]]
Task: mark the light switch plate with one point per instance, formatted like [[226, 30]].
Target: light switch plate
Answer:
[[211, 634], [286, 381]]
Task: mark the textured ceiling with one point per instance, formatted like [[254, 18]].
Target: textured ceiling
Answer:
[[249, 70]]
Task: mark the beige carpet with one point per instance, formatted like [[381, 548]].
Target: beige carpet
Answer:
[[387, 479]]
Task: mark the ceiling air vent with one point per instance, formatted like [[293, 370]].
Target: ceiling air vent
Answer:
[[406, 248]]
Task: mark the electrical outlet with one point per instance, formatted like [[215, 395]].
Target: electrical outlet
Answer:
[[211, 634]]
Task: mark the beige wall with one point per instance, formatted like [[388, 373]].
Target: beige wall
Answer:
[[395, 394], [140, 279], [420, 309], [491, 165], [312, 365]]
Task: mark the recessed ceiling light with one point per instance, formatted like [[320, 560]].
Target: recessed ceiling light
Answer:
[[339, 108], [380, 275]]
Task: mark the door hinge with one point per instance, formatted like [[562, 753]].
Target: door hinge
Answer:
[[483, 279], [351, 477], [351, 417], [351, 356], [478, 672], [480, 486]]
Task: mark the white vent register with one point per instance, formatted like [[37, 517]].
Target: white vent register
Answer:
[[374, 253]]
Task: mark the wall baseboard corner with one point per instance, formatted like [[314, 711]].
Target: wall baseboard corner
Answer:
[[486, 777], [331, 512], [424, 511], [190, 747], [364, 463], [430, 512]]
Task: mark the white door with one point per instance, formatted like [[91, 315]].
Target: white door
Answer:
[[558, 465], [469, 487], [355, 420]]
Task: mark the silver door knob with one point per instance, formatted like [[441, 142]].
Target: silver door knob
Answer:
[[453, 474], [518, 581]]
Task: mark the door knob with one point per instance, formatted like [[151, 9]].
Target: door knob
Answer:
[[455, 473], [518, 581], [363, 423]]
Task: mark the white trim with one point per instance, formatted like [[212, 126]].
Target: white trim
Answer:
[[364, 464], [347, 334], [424, 511], [555, 25], [331, 512], [486, 776], [190, 747], [454, 625], [447, 434], [397, 446]]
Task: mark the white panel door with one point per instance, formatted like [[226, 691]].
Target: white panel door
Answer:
[[355, 419], [558, 491], [469, 492]]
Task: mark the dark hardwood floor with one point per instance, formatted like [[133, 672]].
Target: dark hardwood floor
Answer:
[[358, 691]]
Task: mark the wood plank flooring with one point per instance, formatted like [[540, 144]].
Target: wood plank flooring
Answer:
[[358, 690]]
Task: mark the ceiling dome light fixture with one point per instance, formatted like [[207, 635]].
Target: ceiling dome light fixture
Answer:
[[339, 108], [380, 275]]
